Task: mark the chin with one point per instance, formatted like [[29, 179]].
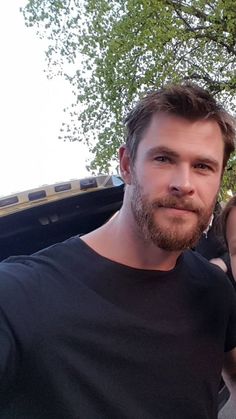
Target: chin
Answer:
[[170, 239]]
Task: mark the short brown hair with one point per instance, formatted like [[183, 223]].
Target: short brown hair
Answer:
[[225, 214], [185, 100]]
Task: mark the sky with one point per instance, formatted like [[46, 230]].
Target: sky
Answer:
[[31, 111]]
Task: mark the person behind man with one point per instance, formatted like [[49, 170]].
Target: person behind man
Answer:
[[228, 220], [124, 322], [212, 245]]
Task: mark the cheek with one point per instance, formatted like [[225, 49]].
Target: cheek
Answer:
[[154, 188], [208, 189], [153, 180]]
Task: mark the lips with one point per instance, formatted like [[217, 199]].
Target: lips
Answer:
[[176, 205], [176, 212], [181, 208]]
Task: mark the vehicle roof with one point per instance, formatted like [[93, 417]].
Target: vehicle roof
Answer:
[[27, 226], [54, 192]]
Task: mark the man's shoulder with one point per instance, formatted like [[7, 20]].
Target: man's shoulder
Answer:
[[193, 258], [205, 272], [31, 268], [54, 251], [27, 281]]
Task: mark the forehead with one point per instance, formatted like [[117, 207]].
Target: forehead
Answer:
[[181, 135]]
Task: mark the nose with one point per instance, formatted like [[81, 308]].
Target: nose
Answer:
[[181, 183]]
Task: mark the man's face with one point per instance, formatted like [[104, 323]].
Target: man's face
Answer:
[[175, 180]]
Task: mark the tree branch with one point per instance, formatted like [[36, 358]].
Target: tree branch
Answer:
[[193, 11], [207, 34], [213, 38]]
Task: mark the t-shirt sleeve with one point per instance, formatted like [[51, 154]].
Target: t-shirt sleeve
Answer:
[[230, 340]]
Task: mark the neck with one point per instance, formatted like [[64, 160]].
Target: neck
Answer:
[[120, 241]]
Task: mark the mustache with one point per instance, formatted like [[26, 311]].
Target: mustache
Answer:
[[177, 203]]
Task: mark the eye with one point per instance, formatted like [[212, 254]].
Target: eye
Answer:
[[203, 166], [162, 159]]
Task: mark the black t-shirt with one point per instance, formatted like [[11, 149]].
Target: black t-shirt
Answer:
[[82, 337]]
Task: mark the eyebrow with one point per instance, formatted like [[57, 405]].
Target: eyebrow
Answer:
[[171, 153], [162, 149]]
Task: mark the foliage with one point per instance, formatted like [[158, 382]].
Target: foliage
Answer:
[[228, 186], [121, 48]]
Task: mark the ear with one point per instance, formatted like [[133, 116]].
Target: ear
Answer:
[[125, 164]]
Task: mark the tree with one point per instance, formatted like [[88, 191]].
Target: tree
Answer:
[[121, 48], [228, 186]]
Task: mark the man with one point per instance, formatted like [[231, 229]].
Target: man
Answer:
[[123, 322]]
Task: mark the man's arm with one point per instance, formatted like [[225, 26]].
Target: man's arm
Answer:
[[8, 361], [229, 372]]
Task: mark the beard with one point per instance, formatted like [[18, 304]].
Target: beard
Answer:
[[173, 237]]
